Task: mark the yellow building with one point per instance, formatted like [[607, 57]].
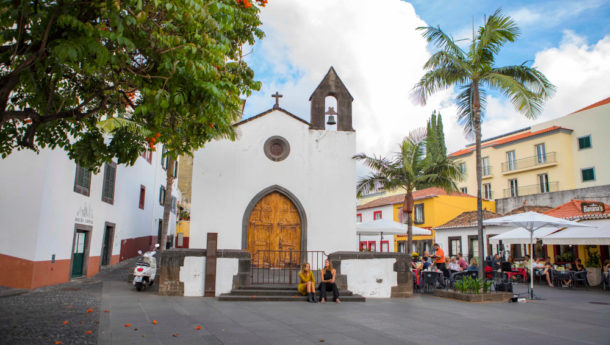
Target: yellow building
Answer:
[[432, 207], [561, 154]]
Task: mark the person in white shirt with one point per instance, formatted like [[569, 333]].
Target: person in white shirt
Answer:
[[454, 266]]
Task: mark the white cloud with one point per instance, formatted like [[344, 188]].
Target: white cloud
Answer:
[[373, 46], [553, 12], [580, 72]]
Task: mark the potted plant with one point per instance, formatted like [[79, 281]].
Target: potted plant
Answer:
[[593, 265]]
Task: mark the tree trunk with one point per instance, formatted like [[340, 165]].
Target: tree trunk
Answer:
[[408, 209], [167, 204], [477, 134]]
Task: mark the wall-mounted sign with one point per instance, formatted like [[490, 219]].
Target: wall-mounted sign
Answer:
[[84, 215], [592, 207]]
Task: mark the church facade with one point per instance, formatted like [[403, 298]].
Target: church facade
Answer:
[[284, 184]]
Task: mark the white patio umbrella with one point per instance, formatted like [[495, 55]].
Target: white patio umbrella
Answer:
[[575, 236], [532, 221], [380, 227], [521, 236]]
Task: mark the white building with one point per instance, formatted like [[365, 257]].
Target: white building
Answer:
[[60, 221], [284, 184]]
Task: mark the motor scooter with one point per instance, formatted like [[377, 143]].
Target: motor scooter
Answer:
[[146, 269]]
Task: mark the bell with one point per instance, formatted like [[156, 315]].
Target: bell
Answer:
[[331, 120]]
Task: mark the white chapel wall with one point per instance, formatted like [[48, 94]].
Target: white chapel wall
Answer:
[[370, 277], [319, 171]]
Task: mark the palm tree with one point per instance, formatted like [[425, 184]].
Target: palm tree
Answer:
[[473, 71], [409, 170]]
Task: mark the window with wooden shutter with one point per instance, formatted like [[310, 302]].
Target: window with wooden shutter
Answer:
[[82, 180], [162, 196], [109, 180], [175, 169], [142, 196], [174, 202], [164, 159]]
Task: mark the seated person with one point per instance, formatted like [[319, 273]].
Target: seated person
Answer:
[[473, 265], [454, 266], [427, 262], [539, 263], [606, 272], [578, 266], [462, 262], [307, 283], [496, 262], [547, 272], [527, 263], [328, 282]]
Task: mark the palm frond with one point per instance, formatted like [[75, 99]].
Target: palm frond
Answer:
[[439, 38], [531, 77], [498, 30], [465, 108], [436, 80], [526, 101]]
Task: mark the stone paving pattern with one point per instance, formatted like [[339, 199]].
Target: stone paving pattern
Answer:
[[564, 317]]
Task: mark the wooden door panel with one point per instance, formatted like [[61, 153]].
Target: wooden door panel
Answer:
[[275, 225]]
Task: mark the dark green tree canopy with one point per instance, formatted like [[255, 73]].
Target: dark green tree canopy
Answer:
[[435, 139], [146, 67]]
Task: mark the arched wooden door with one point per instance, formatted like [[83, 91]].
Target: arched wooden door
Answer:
[[274, 232]]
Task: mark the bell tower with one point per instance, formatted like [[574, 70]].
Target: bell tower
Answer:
[[331, 85]]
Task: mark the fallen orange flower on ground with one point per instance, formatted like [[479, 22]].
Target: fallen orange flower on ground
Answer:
[[66, 322], [69, 306], [154, 322], [175, 335], [127, 325], [106, 311], [88, 332], [198, 328], [90, 310], [58, 342]]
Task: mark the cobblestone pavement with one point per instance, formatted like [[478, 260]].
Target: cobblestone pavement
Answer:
[[40, 316]]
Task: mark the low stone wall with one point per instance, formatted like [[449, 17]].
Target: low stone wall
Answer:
[[466, 297], [374, 274], [182, 271]]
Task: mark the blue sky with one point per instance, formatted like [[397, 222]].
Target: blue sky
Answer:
[[378, 54]]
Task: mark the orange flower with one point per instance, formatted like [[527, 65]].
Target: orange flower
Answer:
[[106, 311], [158, 134], [69, 307], [211, 125], [90, 310], [127, 325], [175, 335], [154, 322], [247, 4], [198, 328], [88, 332], [58, 342], [66, 322]]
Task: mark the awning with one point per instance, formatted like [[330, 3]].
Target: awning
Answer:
[[387, 227], [582, 236], [521, 235]]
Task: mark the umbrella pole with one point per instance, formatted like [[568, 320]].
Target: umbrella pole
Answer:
[[532, 264]]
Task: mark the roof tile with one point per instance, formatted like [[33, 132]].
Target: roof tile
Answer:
[[573, 210]]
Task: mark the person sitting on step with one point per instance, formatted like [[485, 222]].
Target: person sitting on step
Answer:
[[328, 282], [307, 283]]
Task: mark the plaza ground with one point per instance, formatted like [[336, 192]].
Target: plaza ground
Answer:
[[563, 317]]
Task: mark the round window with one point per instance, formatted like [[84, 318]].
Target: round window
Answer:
[[276, 148]]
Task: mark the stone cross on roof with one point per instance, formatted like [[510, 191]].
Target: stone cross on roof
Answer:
[[277, 97]]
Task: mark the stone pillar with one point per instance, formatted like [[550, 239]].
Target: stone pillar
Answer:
[[404, 278]]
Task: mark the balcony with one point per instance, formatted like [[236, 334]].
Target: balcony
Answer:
[[529, 163], [532, 189]]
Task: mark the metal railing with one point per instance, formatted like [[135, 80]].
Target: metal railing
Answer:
[[281, 267], [529, 162], [532, 189]]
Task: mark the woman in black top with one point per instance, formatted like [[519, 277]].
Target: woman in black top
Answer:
[[328, 282]]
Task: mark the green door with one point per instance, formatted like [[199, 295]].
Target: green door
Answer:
[[78, 257], [106, 246]]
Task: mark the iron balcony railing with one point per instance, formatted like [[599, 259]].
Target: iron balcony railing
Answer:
[[532, 189], [529, 162]]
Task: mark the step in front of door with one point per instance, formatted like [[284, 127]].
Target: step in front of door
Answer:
[[279, 298]]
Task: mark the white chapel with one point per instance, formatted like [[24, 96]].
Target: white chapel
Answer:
[[284, 183]]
